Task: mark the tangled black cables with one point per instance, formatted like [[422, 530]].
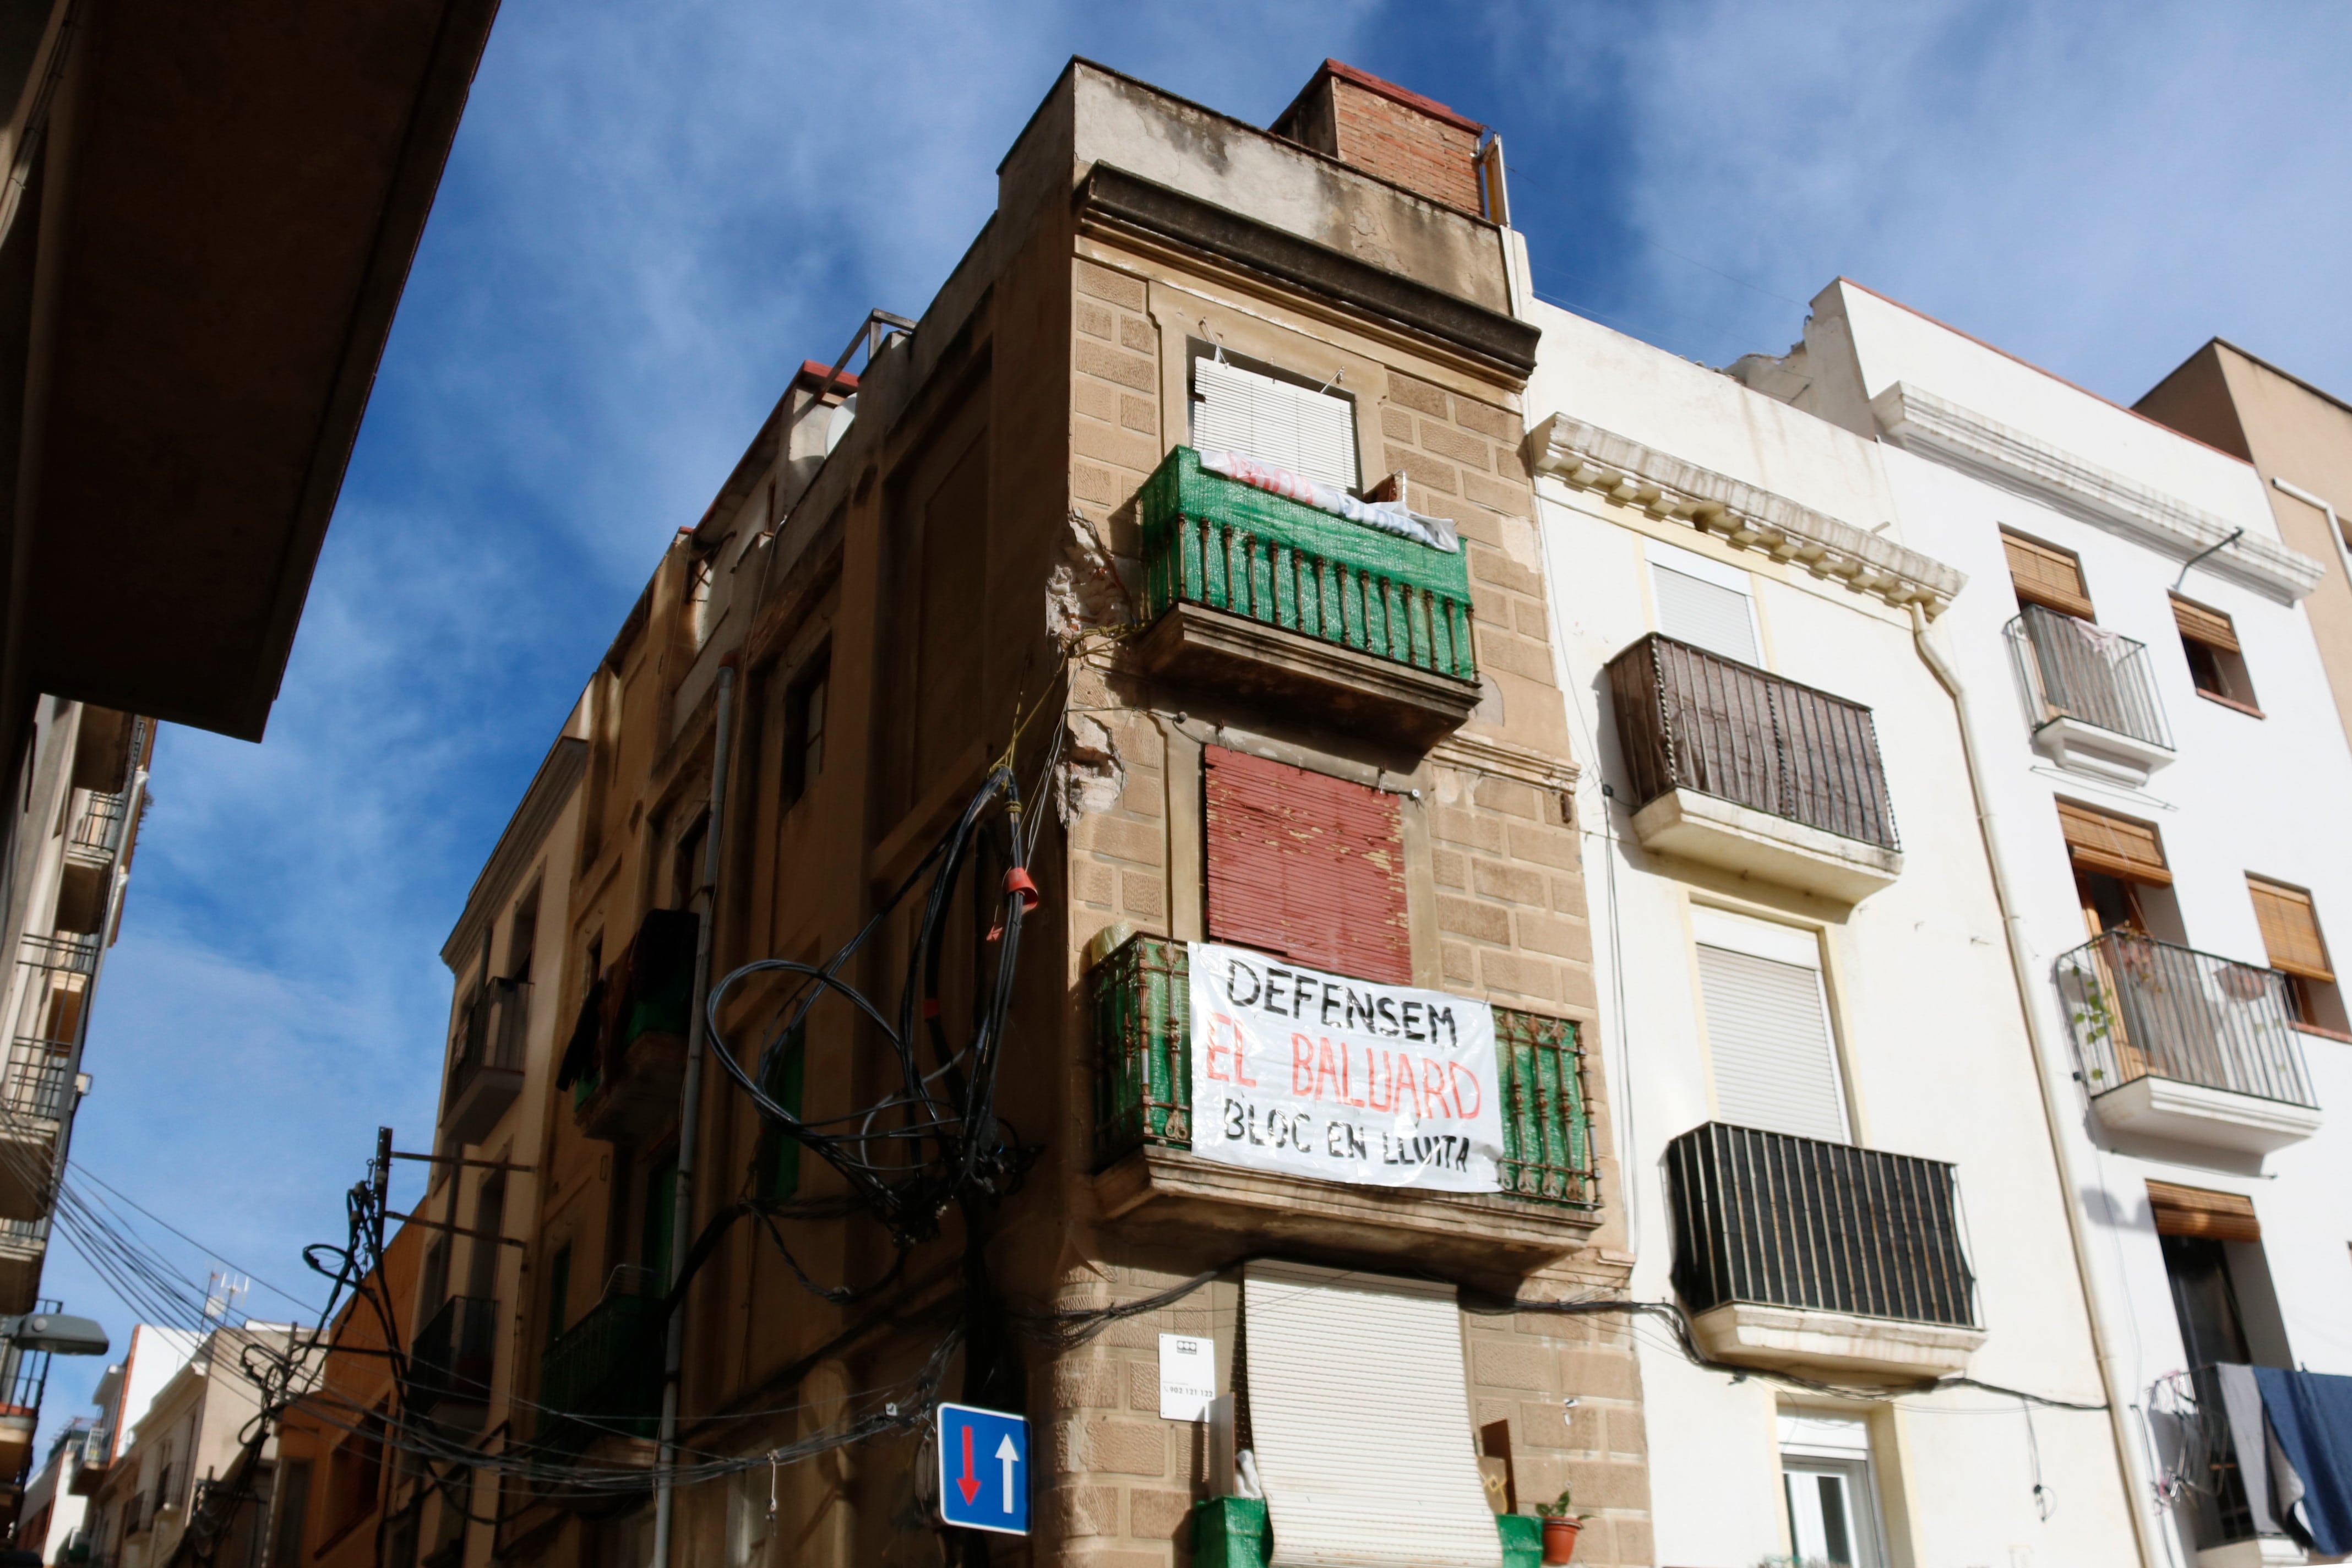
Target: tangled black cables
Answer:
[[936, 1140]]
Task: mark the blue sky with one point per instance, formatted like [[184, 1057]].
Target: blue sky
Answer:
[[653, 213]]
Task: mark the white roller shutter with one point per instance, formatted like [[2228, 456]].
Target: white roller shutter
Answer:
[[1360, 1416], [1702, 601], [1311, 433], [1768, 1029]]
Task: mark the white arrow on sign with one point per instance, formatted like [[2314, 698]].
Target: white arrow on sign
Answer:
[[1008, 1456]]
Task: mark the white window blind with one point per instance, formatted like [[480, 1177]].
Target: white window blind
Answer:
[[1702, 601], [1311, 433], [1768, 1029], [1367, 1460]]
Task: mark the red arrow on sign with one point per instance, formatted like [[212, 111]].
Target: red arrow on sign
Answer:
[[970, 1484]]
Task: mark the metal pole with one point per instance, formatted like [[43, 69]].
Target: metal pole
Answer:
[[689, 1119]]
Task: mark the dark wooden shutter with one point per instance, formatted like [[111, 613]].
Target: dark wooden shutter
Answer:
[[1306, 865]]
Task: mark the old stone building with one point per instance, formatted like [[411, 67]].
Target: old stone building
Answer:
[[1197, 499]]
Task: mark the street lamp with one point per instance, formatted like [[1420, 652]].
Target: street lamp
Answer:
[[54, 1332]]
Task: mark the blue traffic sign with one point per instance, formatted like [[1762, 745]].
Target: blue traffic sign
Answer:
[[984, 1470]]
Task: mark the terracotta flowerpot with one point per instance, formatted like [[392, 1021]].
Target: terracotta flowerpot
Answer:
[[1559, 1540]]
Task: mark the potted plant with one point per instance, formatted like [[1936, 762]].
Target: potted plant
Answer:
[[1561, 1525]]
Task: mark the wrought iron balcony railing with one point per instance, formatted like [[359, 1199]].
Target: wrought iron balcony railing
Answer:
[[1774, 1220], [450, 1363], [2144, 1008], [1215, 541], [2074, 669], [603, 1376], [97, 826], [486, 1064], [36, 1083], [1143, 1078], [1688, 719]]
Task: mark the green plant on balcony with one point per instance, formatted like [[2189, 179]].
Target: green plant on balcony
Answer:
[[1230, 546]]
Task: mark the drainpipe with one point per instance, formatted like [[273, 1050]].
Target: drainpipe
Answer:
[[690, 1118], [2335, 529], [2075, 1179]]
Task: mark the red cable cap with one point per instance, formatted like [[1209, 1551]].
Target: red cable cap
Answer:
[[1016, 882]]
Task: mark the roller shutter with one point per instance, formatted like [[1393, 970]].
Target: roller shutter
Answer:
[[2290, 930], [1359, 1417], [2101, 841], [1306, 865], [1768, 1031], [2046, 575], [1703, 602], [2195, 1211], [2210, 627], [1311, 433]]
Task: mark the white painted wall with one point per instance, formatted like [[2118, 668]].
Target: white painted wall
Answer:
[[1931, 1035], [2263, 794]]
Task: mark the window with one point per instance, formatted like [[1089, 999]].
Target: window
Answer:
[[355, 1473], [2120, 873], [1768, 1028], [1304, 428], [2292, 938], [1826, 1483], [2216, 664], [2196, 1228], [686, 862], [559, 1293], [804, 728], [1306, 865], [522, 937], [661, 1214], [778, 1157], [2046, 575], [1702, 602]]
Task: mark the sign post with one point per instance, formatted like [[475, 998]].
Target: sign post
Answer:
[[984, 1470]]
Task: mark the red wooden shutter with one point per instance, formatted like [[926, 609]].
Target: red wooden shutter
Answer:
[[1306, 865]]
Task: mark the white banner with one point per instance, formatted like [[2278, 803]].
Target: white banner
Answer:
[[1317, 1075]]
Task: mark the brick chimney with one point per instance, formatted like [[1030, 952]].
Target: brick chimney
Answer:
[[1384, 130]]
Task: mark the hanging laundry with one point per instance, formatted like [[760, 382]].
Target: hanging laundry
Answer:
[[2310, 1414], [1388, 517]]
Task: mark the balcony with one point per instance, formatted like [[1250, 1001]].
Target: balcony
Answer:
[[24, 1378], [97, 1454], [2186, 1046], [2222, 1520], [630, 1089], [1143, 1115], [1251, 592], [603, 1376], [450, 1363], [36, 1096], [23, 1243], [1745, 771], [485, 1067], [2090, 695], [1800, 1254]]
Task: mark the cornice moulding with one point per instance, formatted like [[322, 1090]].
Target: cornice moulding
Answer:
[[1742, 515], [1936, 428]]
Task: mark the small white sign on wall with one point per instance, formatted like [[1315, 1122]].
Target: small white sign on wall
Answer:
[[1188, 1376]]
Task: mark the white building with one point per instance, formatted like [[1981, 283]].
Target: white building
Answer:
[[1811, 1019], [2164, 769]]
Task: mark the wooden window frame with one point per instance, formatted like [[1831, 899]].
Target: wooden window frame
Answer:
[[2217, 664]]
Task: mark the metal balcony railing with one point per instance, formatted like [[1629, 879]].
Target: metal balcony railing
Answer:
[[491, 1034], [97, 826], [1212, 541], [68, 953], [2217, 1485], [450, 1362], [1143, 1078], [2074, 669], [2143, 1008], [1775, 1220], [603, 1376], [37, 1083], [1688, 719]]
